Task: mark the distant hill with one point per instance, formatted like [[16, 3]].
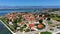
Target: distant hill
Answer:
[[26, 7]]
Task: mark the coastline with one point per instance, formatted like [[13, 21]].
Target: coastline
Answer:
[[8, 28]]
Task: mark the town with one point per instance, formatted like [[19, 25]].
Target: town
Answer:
[[25, 22]]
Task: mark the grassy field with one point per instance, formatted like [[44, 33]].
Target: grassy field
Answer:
[[56, 18]]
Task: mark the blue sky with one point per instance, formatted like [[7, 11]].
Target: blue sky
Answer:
[[29, 2]]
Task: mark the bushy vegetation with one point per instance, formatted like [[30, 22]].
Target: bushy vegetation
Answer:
[[46, 32], [55, 17]]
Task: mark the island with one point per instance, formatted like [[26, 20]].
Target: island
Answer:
[[31, 23]]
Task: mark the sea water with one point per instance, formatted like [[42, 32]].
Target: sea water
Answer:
[[3, 29], [3, 12]]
